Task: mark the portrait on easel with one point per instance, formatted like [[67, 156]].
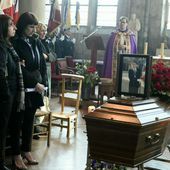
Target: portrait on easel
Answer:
[[133, 75]]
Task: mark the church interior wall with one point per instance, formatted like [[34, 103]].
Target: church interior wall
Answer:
[[149, 12]]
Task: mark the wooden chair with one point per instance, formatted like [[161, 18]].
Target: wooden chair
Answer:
[[57, 68], [63, 67], [64, 119], [56, 78], [45, 114], [70, 63]]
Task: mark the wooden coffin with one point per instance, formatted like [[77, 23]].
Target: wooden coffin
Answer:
[[127, 132]]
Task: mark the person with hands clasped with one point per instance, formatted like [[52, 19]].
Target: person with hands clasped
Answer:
[[30, 50]]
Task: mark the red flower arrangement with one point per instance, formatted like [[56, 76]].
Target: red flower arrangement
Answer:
[[89, 72], [160, 79]]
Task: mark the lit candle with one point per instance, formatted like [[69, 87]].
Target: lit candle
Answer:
[[91, 109], [146, 48], [162, 50]]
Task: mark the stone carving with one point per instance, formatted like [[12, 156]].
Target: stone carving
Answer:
[[134, 25]]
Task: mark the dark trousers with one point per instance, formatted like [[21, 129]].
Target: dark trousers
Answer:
[[21, 124], [5, 112]]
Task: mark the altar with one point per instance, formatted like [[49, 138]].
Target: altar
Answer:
[[165, 59]]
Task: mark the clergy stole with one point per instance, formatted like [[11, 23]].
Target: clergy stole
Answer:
[[121, 39]]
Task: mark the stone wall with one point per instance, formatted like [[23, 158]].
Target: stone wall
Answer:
[[151, 14]]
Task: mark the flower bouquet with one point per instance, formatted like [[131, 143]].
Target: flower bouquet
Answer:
[[90, 74], [160, 79]]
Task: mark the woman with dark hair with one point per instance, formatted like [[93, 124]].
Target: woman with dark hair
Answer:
[[30, 50], [11, 86]]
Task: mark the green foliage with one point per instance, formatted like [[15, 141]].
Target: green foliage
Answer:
[[89, 72]]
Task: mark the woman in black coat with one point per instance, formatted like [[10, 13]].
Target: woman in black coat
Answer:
[[11, 82], [29, 50]]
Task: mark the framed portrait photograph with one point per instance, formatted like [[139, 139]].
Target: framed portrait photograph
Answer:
[[133, 75]]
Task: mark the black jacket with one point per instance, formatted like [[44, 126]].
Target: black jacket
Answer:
[[48, 49], [8, 73], [34, 70]]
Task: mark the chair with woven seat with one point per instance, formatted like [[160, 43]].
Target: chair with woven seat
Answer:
[[44, 114], [64, 119]]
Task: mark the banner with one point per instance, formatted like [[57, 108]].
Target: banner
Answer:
[[66, 14], [11, 8], [55, 17], [77, 16]]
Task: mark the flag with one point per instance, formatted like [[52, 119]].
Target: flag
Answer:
[[16, 11], [67, 15], [10, 7], [55, 17], [77, 16]]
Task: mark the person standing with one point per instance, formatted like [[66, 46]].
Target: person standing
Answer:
[[134, 74], [121, 41], [68, 43], [11, 86], [48, 51], [30, 50]]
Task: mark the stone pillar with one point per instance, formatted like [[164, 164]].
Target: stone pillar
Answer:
[[35, 6], [155, 25], [92, 13]]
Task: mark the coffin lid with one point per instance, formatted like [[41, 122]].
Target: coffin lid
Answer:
[[133, 111]]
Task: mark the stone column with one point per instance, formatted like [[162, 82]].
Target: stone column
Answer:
[[35, 6], [92, 13]]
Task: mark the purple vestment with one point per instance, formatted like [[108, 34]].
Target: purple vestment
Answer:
[[107, 69]]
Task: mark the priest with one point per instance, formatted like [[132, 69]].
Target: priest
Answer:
[[120, 41]]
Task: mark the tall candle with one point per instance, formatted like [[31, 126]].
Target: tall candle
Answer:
[[162, 50], [146, 48]]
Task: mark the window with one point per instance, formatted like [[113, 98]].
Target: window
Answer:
[[83, 11], [48, 9], [107, 12]]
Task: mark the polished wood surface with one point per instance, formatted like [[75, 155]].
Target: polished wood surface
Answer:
[[70, 154], [128, 139]]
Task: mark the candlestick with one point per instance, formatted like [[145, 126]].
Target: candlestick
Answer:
[[146, 48], [162, 50]]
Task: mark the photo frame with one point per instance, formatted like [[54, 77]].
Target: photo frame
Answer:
[[133, 75]]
